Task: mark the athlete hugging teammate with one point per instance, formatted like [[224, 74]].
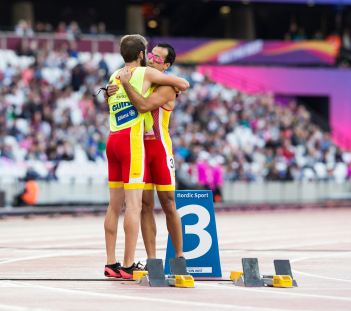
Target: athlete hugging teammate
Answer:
[[126, 151]]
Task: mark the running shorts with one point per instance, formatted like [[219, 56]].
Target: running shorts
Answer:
[[160, 166], [126, 158]]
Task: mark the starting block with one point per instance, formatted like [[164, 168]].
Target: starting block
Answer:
[[178, 266], [156, 277], [283, 267], [137, 275], [251, 277]]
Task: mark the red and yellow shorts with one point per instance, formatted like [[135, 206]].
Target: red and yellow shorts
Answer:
[[160, 166], [126, 158]]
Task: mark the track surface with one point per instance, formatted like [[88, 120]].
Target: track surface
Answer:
[[317, 242]]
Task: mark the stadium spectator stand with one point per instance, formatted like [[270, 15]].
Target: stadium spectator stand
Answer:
[[52, 127]]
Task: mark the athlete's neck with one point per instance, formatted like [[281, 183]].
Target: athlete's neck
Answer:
[[135, 63]]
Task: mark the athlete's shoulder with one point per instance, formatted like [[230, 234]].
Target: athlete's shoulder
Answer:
[[165, 89], [151, 71], [114, 74]]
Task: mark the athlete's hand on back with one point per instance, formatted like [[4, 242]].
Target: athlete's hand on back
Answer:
[[125, 75], [111, 90]]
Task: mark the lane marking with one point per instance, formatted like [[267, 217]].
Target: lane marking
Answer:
[[51, 255], [19, 308], [282, 293], [166, 301], [319, 276]]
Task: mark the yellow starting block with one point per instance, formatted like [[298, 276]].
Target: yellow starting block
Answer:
[[137, 275], [184, 281], [282, 281], [235, 275]]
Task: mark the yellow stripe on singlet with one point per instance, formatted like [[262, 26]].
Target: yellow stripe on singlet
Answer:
[[137, 165]]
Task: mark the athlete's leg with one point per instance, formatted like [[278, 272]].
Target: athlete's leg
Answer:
[[111, 222], [174, 224], [148, 223], [116, 199], [131, 223]]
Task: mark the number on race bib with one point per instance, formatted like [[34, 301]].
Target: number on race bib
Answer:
[[198, 229], [170, 163]]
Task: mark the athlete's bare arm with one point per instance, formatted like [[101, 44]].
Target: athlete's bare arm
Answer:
[[164, 94], [153, 75]]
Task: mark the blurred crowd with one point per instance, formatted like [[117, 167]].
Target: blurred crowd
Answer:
[[249, 137], [71, 31], [45, 120], [218, 134]]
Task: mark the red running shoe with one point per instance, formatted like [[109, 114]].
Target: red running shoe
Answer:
[[127, 273], [113, 271]]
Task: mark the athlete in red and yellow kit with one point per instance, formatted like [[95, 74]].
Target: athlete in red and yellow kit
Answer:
[[159, 153], [126, 154]]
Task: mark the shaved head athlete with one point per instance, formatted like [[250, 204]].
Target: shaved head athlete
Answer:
[[159, 153]]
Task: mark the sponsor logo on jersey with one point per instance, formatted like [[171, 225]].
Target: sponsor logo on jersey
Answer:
[[120, 105], [126, 115]]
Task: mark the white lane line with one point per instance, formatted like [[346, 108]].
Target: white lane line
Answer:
[[52, 238], [120, 238], [282, 236], [6, 284], [160, 300], [276, 292], [51, 255], [285, 246], [320, 256], [19, 308]]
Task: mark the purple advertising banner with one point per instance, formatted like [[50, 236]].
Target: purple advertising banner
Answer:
[[331, 82], [227, 51]]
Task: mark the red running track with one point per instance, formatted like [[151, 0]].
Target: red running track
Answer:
[[317, 242]]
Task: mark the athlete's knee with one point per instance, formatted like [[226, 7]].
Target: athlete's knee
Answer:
[[116, 207], [109, 228], [169, 207], [147, 208]]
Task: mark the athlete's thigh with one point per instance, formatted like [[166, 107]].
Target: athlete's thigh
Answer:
[[114, 165], [163, 169], [131, 153], [149, 180]]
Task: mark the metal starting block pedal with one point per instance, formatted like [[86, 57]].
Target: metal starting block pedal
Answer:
[[178, 266], [283, 267], [251, 276], [156, 277], [179, 275]]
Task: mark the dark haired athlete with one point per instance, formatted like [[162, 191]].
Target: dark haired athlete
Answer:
[[125, 151]]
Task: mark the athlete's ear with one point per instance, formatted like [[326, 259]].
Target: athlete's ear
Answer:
[[166, 66]]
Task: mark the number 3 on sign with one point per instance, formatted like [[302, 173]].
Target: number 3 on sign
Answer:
[[198, 229]]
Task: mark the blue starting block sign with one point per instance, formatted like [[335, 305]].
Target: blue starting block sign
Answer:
[[200, 242]]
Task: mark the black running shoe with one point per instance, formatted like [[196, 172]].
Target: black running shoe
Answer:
[[127, 273], [113, 271]]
